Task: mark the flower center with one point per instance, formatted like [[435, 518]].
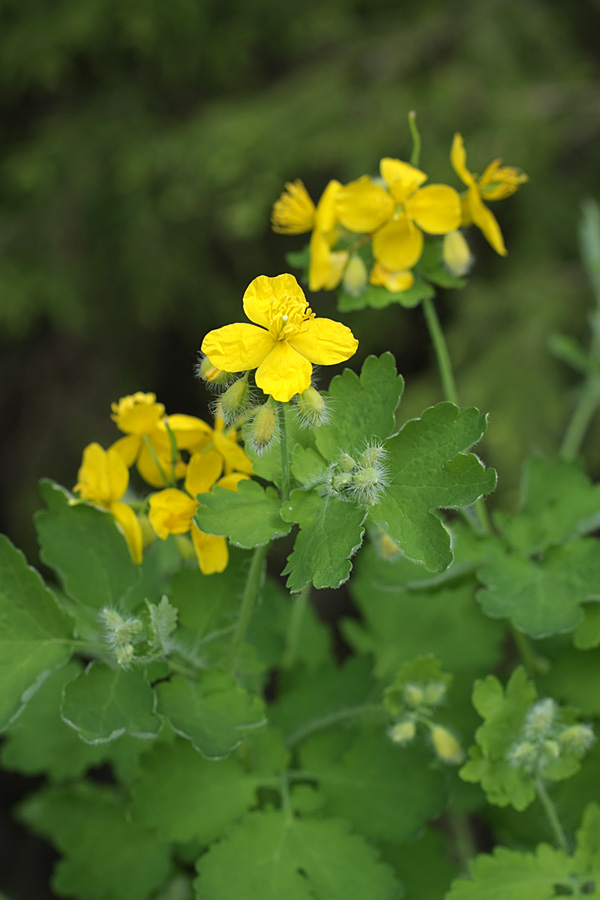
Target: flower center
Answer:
[[289, 316]]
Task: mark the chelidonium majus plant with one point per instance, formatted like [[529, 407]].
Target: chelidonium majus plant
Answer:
[[201, 732]]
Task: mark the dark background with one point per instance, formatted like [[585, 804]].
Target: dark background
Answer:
[[142, 145]]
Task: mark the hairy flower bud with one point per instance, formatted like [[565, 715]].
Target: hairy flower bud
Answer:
[[446, 746], [234, 402], [312, 408], [413, 695], [577, 738], [403, 732], [434, 693], [540, 719], [263, 431], [210, 374]]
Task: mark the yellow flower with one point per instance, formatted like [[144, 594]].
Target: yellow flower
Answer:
[[363, 205], [294, 211], [394, 280], [285, 341], [103, 479], [435, 209], [496, 183], [172, 511]]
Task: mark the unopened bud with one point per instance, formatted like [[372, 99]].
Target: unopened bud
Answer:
[[577, 738], [456, 253], [263, 430], [346, 463], [446, 746], [124, 655], [312, 408], [524, 755], [413, 695], [355, 276], [234, 402], [403, 732], [372, 455], [367, 485], [434, 693], [211, 375], [551, 749], [540, 719]]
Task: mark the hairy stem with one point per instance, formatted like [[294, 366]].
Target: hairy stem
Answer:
[[551, 815], [249, 598], [285, 458]]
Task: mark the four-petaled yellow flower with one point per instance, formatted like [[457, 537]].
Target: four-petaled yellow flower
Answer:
[[285, 341], [103, 479], [496, 183], [172, 511]]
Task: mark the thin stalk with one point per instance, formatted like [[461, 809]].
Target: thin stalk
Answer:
[[464, 842], [156, 461], [285, 457], [587, 405], [441, 351], [415, 156], [552, 816], [526, 652], [300, 602], [249, 598]]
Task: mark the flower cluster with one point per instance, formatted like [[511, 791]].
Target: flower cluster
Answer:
[[375, 229], [166, 450], [545, 739]]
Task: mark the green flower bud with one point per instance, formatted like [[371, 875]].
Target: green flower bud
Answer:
[[434, 693], [551, 750], [346, 463], [372, 455], [413, 695], [403, 732], [524, 755], [263, 431], [540, 719], [234, 402], [446, 746], [312, 408], [124, 655], [577, 738], [212, 376]]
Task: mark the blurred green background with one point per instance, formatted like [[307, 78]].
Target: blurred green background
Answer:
[[143, 144]]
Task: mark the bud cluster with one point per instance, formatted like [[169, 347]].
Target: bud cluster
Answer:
[[545, 739], [417, 702], [362, 479], [121, 635]]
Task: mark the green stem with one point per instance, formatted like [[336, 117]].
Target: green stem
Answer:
[[333, 718], [156, 461], [285, 458], [441, 351], [249, 598], [551, 815], [300, 602], [588, 403], [415, 156], [526, 652], [464, 842]]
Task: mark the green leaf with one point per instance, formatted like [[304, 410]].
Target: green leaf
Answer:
[[163, 622], [587, 855], [212, 713], [515, 876], [428, 470], [184, 797], [542, 598], [386, 792], [308, 466], [330, 533], [40, 742], [425, 866], [249, 516], [106, 856], [87, 550], [504, 714], [272, 855], [362, 408], [558, 503], [104, 703], [34, 633]]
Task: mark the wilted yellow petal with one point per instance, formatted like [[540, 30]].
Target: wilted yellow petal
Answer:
[[211, 551], [499, 182], [401, 178], [137, 413], [233, 455], [171, 512], [284, 372], [458, 158], [398, 245], [363, 206], [131, 528], [103, 476], [294, 211], [202, 472], [395, 281], [237, 347], [435, 208], [325, 343]]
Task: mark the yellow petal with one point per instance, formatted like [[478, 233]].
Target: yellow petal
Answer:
[[401, 178], [202, 472], [326, 267], [262, 296], [231, 481], [283, 373], [190, 432], [237, 347], [150, 472], [326, 215], [211, 551], [171, 512], [103, 476], [394, 281], [130, 527], [363, 206], [294, 211], [458, 158], [398, 245], [325, 342], [233, 455], [435, 209], [499, 182], [456, 253], [486, 221], [128, 448], [137, 413]]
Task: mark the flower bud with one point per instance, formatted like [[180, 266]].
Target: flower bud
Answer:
[[263, 431], [456, 253], [413, 695], [346, 463], [124, 655], [577, 738], [367, 485], [355, 276], [403, 732], [524, 755], [234, 402], [551, 750], [446, 746], [540, 719], [372, 455], [211, 375], [312, 408], [434, 693]]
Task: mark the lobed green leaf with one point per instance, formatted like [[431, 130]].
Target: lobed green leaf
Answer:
[[249, 516]]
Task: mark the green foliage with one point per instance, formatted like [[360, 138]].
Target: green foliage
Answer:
[[248, 516]]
